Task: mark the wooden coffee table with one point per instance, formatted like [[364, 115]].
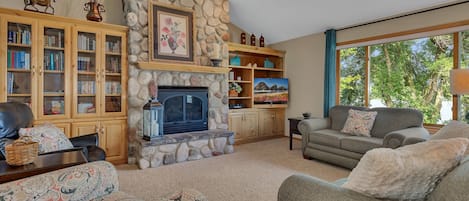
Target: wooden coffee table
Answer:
[[42, 164]]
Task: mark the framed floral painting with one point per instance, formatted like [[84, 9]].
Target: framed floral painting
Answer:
[[172, 34]]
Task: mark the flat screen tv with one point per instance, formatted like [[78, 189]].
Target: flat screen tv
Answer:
[[270, 90]]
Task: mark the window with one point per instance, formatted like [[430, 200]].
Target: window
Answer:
[[352, 76], [411, 73]]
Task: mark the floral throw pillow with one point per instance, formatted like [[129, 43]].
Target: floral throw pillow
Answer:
[[49, 137], [359, 122]]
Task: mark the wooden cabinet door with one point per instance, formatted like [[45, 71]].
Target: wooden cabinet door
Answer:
[[115, 140], [18, 57], [250, 124], [279, 122], [236, 124], [113, 74], [267, 123], [86, 64], [84, 128], [65, 127], [54, 70]]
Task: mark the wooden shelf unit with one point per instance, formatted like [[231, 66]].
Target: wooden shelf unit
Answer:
[[49, 77], [255, 122]]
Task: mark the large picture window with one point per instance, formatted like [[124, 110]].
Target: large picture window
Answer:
[[410, 73]]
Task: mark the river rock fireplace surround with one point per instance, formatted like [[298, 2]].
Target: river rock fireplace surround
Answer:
[[211, 18]]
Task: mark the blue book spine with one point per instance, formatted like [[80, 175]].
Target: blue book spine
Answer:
[[52, 63], [22, 60], [17, 59]]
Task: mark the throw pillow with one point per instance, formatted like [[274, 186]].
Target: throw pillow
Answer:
[[49, 137], [359, 122], [407, 173]]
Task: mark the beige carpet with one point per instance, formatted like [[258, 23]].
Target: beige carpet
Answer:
[[253, 173]]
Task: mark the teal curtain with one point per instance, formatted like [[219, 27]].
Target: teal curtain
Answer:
[[329, 76]]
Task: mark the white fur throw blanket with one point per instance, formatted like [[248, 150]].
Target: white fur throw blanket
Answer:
[[406, 173]]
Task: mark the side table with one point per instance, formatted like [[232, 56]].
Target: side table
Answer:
[[42, 164], [294, 128]]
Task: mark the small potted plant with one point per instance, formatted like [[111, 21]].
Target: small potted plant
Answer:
[[235, 89]]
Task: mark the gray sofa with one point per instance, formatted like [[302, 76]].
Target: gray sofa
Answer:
[[393, 127], [452, 187]]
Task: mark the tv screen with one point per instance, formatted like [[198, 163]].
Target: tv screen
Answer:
[[270, 90]]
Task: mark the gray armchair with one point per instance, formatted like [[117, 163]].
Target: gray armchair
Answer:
[[452, 187], [393, 127]]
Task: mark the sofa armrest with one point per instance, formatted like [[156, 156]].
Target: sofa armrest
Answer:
[[82, 182], [307, 188], [406, 136], [85, 140], [309, 125]]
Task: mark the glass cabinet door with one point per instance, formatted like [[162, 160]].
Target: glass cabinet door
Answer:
[[113, 75], [87, 74], [53, 72], [20, 68]]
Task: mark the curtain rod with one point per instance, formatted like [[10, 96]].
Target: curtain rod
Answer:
[[405, 15]]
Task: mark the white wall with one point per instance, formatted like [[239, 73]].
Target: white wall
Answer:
[[304, 62], [74, 9]]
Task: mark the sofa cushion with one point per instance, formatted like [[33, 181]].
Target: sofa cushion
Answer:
[[338, 115], [327, 137], [359, 122], [406, 173], [359, 144], [391, 119], [337, 151]]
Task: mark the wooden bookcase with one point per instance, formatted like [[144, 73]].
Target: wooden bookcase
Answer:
[[72, 73], [252, 121]]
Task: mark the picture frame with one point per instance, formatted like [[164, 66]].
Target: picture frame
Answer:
[[171, 34]]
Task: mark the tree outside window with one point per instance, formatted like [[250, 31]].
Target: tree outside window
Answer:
[[403, 74]]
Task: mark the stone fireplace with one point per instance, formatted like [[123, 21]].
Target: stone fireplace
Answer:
[[211, 34]]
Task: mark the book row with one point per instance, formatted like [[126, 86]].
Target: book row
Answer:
[[86, 87], [113, 87], [85, 42], [54, 61], [19, 37], [10, 82], [113, 65], [54, 40], [113, 46], [18, 59], [85, 63]]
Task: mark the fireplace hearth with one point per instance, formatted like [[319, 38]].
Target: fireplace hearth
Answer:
[[185, 108]]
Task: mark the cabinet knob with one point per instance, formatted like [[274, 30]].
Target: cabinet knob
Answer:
[[40, 70], [96, 129], [33, 69]]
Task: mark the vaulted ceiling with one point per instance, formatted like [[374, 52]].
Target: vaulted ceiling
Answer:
[[280, 20]]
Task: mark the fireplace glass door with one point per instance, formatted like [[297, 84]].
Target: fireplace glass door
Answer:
[[185, 109]]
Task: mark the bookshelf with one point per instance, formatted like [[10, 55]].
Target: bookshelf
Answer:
[[71, 73], [250, 121]]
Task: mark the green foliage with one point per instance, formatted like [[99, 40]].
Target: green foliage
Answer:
[[413, 73], [352, 73], [235, 86]]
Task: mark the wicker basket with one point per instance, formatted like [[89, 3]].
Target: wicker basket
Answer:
[[22, 151]]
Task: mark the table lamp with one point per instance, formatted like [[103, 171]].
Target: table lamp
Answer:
[[459, 81], [459, 84]]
